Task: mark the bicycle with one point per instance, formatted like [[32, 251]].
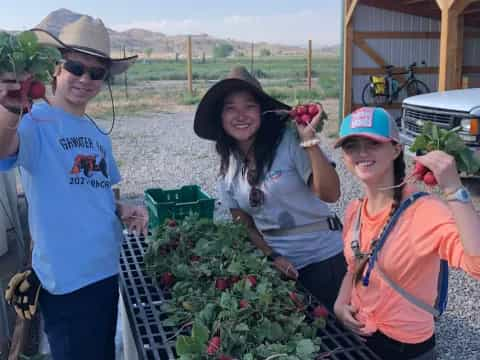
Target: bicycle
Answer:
[[382, 90]]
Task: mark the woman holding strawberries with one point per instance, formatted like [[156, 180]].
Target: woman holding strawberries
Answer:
[[395, 239], [275, 184], [67, 170]]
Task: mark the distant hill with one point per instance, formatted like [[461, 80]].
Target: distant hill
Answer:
[[137, 40]]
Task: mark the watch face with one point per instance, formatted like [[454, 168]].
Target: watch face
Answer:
[[463, 195]]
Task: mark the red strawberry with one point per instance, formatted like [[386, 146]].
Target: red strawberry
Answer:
[[419, 170], [301, 109], [429, 179], [23, 91], [172, 223], [234, 279], [167, 279], [224, 357], [221, 284], [244, 303], [213, 345], [37, 90], [252, 279], [320, 311], [305, 119], [313, 109]]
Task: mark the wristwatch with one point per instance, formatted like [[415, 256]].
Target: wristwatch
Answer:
[[461, 194], [273, 255]]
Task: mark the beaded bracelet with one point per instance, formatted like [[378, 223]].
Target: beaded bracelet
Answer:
[[309, 143]]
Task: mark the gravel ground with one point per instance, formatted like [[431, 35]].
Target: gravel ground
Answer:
[[162, 151]]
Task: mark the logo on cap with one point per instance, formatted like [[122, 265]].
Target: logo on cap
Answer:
[[362, 118]]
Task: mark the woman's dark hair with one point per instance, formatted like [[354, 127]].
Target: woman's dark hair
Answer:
[[398, 177], [267, 139]]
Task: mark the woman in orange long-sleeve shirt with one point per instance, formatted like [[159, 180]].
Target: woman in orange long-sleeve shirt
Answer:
[[427, 231]]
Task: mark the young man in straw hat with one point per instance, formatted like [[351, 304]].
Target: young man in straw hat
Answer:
[[67, 170]]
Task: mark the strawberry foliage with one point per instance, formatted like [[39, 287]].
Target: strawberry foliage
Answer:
[[23, 54], [435, 138], [226, 298]]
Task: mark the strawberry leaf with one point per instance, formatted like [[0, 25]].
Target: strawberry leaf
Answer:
[[23, 54]]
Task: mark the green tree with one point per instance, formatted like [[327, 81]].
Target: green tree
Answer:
[[222, 50], [148, 53], [265, 52]]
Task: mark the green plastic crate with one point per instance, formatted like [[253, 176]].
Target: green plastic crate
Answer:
[[177, 204]]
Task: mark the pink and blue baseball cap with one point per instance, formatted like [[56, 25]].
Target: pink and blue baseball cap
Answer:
[[371, 122]]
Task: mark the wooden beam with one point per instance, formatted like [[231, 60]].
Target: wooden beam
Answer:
[[392, 106], [471, 69], [461, 5], [362, 44], [472, 11], [347, 61], [411, 2], [471, 34], [428, 9], [377, 71], [396, 35], [448, 48], [451, 43], [351, 9], [458, 63]]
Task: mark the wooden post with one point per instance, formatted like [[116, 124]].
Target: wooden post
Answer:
[[309, 65], [125, 75], [189, 64], [251, 59], [451, 43], [347, 56]]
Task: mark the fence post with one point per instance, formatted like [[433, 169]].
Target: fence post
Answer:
[[189, 64], [125, 75], [309, 65], [251, 59]]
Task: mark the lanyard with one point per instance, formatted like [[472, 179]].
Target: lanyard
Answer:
[[377, 244]]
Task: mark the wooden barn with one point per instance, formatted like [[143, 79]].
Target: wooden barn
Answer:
[[441, 36]]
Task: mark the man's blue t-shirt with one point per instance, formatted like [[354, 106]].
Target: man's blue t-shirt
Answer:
[[67, 170]]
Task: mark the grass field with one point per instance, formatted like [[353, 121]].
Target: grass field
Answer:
[[160, 85]]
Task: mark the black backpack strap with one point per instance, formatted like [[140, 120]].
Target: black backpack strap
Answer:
[[441, 301], [393, 220]]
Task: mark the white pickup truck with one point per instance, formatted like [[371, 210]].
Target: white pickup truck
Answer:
[[446, 109]]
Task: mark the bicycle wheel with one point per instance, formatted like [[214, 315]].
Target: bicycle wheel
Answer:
[[369, 98], [417, 87]]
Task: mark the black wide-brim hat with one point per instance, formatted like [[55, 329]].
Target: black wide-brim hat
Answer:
[[207, 123]]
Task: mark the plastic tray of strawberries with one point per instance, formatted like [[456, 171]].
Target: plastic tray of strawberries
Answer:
[[143, 299]]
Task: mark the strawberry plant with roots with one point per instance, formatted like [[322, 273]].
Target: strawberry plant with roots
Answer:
[[30, 63], [435, 138], [303, 114], [225, 299]]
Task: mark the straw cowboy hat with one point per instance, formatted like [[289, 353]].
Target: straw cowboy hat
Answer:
[[207, 117], [88, 36]]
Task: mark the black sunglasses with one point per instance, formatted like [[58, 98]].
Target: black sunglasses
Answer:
[[78, 69], [256, 197]]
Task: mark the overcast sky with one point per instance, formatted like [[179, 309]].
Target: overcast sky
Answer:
[[278, 21]]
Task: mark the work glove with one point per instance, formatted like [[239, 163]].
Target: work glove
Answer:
[[22, 292]]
